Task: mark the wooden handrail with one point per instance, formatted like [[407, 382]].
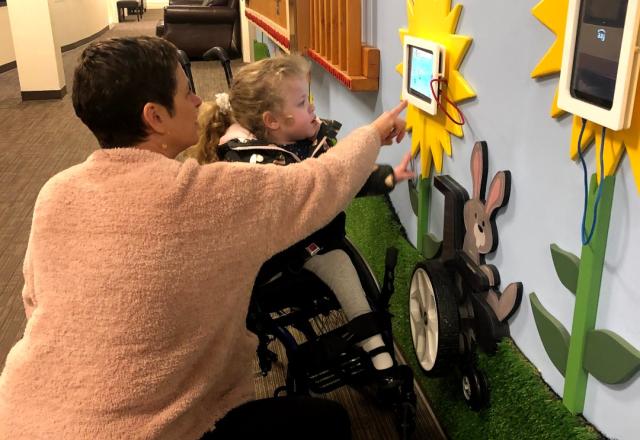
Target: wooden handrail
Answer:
[[329, 31], [354, 37], [336, 43], [342, 40]]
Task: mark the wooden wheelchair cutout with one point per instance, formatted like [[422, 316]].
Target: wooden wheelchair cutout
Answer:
[[454, 301]]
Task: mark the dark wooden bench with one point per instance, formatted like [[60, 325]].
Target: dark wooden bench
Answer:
[[133, 6]]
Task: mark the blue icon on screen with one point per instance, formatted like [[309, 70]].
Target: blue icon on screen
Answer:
[[602, 35]]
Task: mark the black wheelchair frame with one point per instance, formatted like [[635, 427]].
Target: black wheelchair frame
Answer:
[[328, 358]]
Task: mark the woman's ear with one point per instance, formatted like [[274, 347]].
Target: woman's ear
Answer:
[[270, 121], [155, 117]]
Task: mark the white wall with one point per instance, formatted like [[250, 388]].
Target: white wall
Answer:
[[112, 12], [156, 4], [74, 20], [7, 54], [512, 114], [38, 56]]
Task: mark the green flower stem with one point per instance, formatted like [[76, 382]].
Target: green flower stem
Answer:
[[587, 294], [424, 200]]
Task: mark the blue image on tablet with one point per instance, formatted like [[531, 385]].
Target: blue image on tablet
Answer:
[[420, 72]]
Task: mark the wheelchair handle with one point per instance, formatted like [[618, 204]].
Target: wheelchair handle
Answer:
[[220, 54], [186, 66]]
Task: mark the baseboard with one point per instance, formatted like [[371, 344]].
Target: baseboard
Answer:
[[8, 66], [39, 95]]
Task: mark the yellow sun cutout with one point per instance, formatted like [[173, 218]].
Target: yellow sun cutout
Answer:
[[435, 20], [553, 14]]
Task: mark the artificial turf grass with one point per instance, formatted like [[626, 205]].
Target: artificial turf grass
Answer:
[[522, 405]]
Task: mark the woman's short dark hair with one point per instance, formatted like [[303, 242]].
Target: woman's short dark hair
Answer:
[[113, 81]]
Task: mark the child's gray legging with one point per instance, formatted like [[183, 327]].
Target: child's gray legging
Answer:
[[336, 270]]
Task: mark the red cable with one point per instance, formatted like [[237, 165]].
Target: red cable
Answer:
[[437, 98]]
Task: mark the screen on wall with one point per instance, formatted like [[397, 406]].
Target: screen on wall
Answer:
[[597, 51], [420, 72], [605, 12]]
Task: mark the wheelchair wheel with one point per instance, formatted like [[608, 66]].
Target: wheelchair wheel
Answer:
[[370, 284], [434, 319], [325, 322], [367, 277]]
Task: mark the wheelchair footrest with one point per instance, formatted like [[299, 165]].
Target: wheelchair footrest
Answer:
[[325, 365], [323, 380]]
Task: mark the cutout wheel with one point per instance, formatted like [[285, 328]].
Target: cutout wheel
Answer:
[[434, 318], [475, 388]]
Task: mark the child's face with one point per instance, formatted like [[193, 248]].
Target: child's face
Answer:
[[297, 119]]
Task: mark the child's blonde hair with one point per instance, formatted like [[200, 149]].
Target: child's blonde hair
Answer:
[[257, 88]]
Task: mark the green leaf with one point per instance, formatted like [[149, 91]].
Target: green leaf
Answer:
[[555, 338], [413, 196], [610, 358], [260, 50], [430, 246], [567, 267]]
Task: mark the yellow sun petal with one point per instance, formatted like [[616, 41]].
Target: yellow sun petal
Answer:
[[615, 144], [435, 20], [555, 110], [634, 158], [553, 14]]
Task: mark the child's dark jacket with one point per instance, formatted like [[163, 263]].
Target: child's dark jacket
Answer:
[[381, 181]]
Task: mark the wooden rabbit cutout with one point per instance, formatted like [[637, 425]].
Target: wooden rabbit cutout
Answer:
[[481, 233]]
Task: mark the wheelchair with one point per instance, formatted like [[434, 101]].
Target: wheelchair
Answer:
[[293, 306], [324, 354]]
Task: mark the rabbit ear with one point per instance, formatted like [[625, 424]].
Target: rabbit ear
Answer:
[[499, 191], [479, 169]]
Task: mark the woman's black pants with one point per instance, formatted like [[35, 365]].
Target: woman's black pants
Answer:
[[286, 418]]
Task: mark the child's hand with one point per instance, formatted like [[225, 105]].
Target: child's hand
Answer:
[[400, 172], [390, 125]]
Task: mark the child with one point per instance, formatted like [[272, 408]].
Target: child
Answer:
[[268, 119]]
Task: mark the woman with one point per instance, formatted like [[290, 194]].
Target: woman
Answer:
[[131, 332]]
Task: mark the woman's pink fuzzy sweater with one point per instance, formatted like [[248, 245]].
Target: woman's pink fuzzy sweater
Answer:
[[137, 280]]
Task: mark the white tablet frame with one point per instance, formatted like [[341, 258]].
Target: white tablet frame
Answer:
[[621, 112], [438, 52]]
